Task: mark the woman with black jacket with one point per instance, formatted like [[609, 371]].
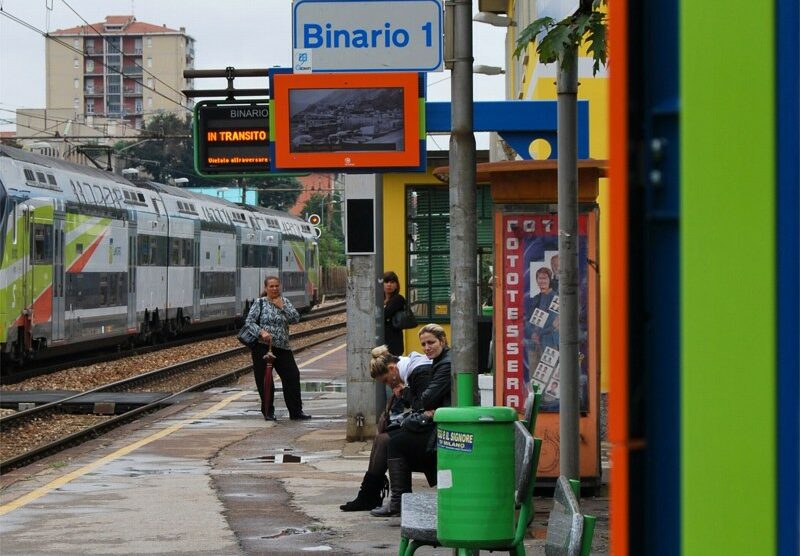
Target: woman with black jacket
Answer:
[[408, 378], [393, 303], [409, 448]]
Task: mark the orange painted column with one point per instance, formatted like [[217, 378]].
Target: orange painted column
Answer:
[[618, 275]]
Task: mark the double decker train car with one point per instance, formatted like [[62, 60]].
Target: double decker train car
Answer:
[[90, 258]]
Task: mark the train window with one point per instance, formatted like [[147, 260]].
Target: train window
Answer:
[[42, 179], [79, 248], [79, 193], [155, 205], [90, 197], [140, 197], [29, 177], [42, 244], [180, 252], [52, 179]]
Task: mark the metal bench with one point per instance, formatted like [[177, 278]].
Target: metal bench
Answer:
[[418, 521], [569, 532]]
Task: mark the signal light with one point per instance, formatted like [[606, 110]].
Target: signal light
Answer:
[[314, 219]]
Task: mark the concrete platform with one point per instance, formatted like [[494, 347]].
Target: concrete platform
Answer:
[[210, 477]]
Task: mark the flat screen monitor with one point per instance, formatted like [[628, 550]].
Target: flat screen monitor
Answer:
[[346, 121]]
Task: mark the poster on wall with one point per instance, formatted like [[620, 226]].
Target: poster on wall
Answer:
[[530, 318]]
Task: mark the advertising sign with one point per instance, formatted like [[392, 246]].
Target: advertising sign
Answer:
[[231, 138], [367, 35], [530, 316]]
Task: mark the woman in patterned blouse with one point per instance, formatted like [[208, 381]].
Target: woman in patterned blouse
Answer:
[[272, 315]]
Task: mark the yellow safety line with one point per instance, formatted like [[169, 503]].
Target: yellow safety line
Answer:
[[321, 355], [61, 481]]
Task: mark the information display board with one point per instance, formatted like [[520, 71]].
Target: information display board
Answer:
[[353, 122], [231, 138]]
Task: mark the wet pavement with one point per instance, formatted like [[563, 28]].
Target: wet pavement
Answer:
[[211, 477]]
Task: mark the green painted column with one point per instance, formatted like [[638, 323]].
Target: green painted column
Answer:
[[727, 284]]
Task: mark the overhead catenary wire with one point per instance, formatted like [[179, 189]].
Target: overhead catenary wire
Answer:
[[92, 27], [62, 120], [82, 53]]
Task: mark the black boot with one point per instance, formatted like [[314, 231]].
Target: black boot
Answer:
[[400, 482], [369, 496]]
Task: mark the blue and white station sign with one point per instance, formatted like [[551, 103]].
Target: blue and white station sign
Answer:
[[367, 35]]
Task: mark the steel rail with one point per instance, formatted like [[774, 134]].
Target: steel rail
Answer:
[[97, 430], [46, 368]]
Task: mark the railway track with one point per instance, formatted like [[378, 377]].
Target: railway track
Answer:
[[25, 422], [118, 352]]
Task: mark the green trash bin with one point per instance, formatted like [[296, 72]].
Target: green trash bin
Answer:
[[475, 464]]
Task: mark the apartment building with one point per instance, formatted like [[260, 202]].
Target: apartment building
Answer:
[[126, 70]]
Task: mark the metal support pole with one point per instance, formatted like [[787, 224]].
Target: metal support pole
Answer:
[[569, 413], [380, 388], [463, 202]]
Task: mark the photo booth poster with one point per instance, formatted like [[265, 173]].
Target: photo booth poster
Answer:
[[530, 319]]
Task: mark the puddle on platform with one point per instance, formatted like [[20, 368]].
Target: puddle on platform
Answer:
[[287, 531], [279, 458], [319, 386]]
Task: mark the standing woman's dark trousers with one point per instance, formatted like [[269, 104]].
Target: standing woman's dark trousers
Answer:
[[286, 368]]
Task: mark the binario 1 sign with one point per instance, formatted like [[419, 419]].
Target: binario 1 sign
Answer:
[[367, 35]]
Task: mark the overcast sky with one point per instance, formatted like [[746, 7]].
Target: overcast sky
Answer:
[[239, 33]]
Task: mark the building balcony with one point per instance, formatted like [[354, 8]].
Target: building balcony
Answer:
[[132, 70], [93, 93], [133, 51], [93, 51], [132, 91]]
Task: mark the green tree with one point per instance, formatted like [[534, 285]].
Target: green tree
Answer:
[[561, 39], [331, 242], [329, 208], [166, 150], [279, 193]]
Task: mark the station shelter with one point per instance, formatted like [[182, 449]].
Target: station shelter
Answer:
[[517, 243]]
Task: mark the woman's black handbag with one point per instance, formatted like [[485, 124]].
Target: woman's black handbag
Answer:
[[249, 333], [404, 318], [417, 422]]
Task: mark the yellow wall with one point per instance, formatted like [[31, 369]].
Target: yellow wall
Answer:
[[394, 231], [595, 90]]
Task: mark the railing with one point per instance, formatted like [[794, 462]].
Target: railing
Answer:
[[333, 280]]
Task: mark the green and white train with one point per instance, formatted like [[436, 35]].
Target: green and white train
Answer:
[[89, 258]]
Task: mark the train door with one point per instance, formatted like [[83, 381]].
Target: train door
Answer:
[[238, 273], [196, 275], [40, 286], [132, 256], [20, 239], [58, 277]]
